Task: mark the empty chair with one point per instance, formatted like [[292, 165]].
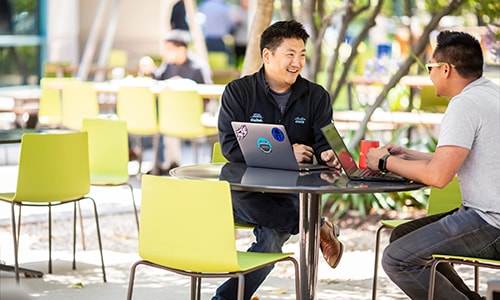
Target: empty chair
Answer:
[[53, 170], [109, 155], [49, 112], [79, 101], [136, 105], [166, 221], [179, 115]]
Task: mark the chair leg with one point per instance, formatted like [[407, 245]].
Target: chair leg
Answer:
[[476, 279], [136, 213], [131, 280], [81, 226], [75, 204], [241, 286], [194, 289], [375, 268], [15, 241], [99, 238], [50, 238], [432, 279]]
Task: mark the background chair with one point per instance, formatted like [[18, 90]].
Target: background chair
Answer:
[[440, 200], [79, 101], [136, 105], [166, 221], [53, 170], [49, 112], [218, 157], [109, 155], [180, 114]]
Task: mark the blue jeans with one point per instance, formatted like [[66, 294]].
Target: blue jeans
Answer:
[[407, 259], [276, 217]]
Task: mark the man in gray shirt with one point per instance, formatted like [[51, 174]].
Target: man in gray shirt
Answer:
[[468, 147]]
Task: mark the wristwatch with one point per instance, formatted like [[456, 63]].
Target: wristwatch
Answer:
[[382, 163]]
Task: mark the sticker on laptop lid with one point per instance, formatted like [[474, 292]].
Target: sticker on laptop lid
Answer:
[[264, 145], [278, 134]]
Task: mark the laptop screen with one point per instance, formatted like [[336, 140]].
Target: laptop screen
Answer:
[[337, 143]]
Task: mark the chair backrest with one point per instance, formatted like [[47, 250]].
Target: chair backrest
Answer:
[[108, 150], [136, 105], [53, 167], [217, 156], [49, 112], [79, 101], [180, 113], [171, 213], [445, 199]]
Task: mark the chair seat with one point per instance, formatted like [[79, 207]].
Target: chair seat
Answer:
[[7, 196], [467, 259], [393, 223], [249, 260], [105, 179]]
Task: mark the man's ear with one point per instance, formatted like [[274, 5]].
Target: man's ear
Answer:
[[265, 55]]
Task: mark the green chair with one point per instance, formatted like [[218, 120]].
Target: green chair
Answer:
[[79, 101], [440, 200], [53, 170], [179, 115], [217, 157], [49, 112], [165, 221], [136, 105], [109, 155], [463, 260]]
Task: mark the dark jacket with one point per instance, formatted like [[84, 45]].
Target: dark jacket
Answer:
[[248, 99]]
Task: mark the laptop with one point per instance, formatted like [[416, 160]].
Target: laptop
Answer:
[[267, 146], [348, 163]]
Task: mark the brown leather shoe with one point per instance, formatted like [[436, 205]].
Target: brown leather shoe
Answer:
[[331, 247]]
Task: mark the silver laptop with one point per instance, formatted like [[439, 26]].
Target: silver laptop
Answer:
[[267, 146], [348, 163]]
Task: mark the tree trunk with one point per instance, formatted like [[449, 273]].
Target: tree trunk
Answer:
[[417, 50], [262, 19]]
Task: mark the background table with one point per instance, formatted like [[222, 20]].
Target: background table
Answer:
[[309, 185]]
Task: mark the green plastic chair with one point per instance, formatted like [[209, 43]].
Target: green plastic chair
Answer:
[[463, 260], [79, 101], [180, 113], [53, 170], [49, 112], [166, 221], [217, 157], [109, 155], [440, 200], [136, 105]]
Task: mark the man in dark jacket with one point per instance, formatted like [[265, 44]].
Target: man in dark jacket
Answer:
[[277, 94]]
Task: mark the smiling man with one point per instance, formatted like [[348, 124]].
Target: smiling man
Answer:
[[277, 94]]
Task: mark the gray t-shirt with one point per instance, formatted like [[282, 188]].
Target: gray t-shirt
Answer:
[[472, 121]]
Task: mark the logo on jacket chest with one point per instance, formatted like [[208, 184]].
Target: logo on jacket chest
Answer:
[[300, 120]]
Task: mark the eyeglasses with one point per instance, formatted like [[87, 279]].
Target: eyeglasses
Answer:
[[429, 66]]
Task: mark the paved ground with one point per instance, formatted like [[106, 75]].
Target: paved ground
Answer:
[[352, 279]]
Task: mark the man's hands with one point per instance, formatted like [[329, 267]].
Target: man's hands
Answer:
[[330, 159], [303, 153]]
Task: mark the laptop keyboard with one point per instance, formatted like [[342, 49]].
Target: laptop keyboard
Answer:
[[369, 172]]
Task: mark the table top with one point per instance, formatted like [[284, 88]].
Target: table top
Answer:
[[246, 178], [12, 136]]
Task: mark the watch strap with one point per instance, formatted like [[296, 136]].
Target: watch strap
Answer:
[[382, 163]]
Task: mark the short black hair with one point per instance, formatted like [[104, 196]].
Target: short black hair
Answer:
[[462, 50], [274, 35]]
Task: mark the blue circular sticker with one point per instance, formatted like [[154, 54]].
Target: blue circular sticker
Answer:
[[264, 145], [278, 134]]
